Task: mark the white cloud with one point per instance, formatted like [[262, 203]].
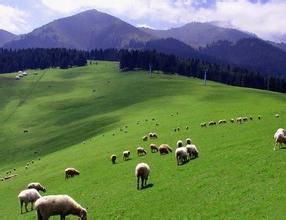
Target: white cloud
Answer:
[[13, 20], [265, 19]]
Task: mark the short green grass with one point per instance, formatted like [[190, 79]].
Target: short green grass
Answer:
[[74, 116]]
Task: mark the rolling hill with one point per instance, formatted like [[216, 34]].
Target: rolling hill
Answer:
[[78, 117]]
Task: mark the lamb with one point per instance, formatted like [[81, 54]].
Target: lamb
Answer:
[[62, 205], [188, 141], [277, 115], [26, 196], [71, 172], [279, 137], [141, 151], [113, 158], [164, 149], [154, 148], [126, 155], [245, 119], [179, 143], [192, 151], [181, 155], [142, 171], [36, 186], [232, 120]]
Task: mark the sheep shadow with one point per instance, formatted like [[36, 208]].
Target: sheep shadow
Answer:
[[149, 185]]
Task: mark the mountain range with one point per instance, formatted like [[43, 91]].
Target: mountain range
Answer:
[[6, 36], [93, 30]]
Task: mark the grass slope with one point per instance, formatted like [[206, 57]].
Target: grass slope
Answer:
[[74, 116]]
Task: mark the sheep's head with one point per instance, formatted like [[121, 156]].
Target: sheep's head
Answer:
[[83, 214], [44, 189]]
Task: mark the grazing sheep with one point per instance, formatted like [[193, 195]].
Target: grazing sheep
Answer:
[[26, 196], [279, 137], [17, 77], [188, 141], [175, 129], [142, 171], [187, 127], [26, 167], [141, 151], [192, 150], [164, 149], [277, 115], [204, 124], [126, 155], [250, 118], [181, 155], [145, 138], [153, 135], [232, 120], [178, 129], [154, 148], [113, 158], [179, 143], [245, 119], [239, 119], [62, 205], [222, 121], [71, 172], [212, 123], [36, 186]]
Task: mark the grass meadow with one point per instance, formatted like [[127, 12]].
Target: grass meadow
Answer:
[[78, 117]]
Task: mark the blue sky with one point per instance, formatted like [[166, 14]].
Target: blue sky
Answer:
[[266, 18]]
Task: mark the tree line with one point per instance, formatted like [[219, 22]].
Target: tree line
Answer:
[[15, 60], [223, 73]]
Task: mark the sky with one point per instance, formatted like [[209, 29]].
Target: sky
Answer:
[[265, 18]]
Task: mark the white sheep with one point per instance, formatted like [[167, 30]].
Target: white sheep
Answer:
[[192, 150], [188, 141], [141, 151], [113, 158], [179, 143], [164, 149], [203, 124], [71, 172], [153, 148], [126, 154], [142, 171], [62, 205], [36, 186], [181, 155], [279, 137], [145, 138], [277, 115], [26, 196]]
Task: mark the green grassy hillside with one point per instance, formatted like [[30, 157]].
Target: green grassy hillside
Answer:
[[78, 117]]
